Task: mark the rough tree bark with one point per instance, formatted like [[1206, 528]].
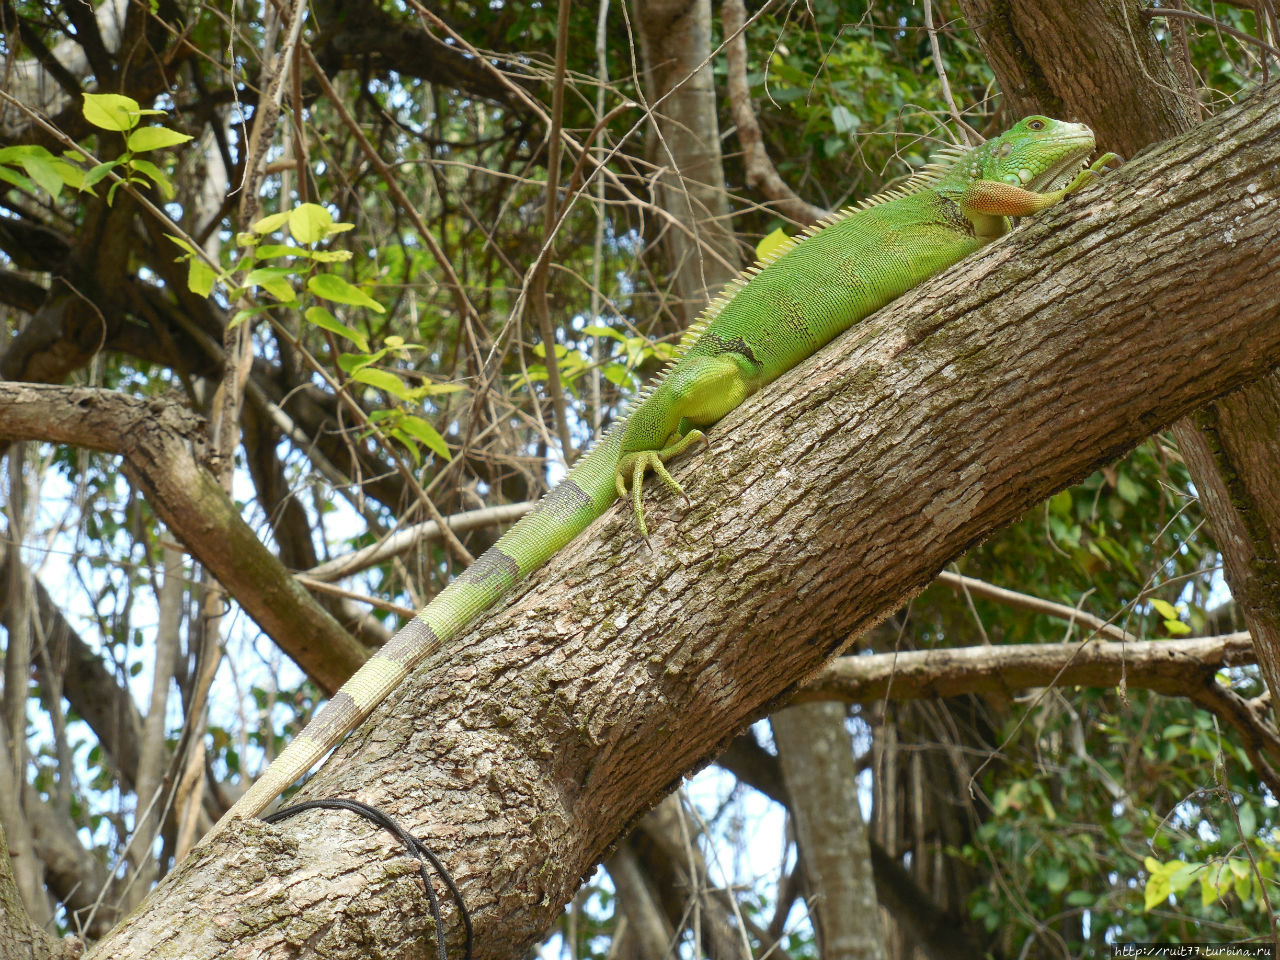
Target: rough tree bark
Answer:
[[522, 753], [1100, 63], [23, 939]]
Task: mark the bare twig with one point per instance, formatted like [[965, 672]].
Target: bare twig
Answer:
[[1025, 601], [404, 540], [942, 72]]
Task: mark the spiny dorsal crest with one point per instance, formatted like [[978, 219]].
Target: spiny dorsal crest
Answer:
[[940, 163]]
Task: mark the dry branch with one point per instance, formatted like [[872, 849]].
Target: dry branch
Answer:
[[1175, 668]]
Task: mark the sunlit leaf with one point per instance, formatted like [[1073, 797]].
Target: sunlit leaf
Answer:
[[111, 111], [9, 175], [424, 432], [200, 277], [271, 224], [325, 320], [771, 243], [167, 189], [333, 288], [274, 280], [155, 138], [383, 380], [309, 222]]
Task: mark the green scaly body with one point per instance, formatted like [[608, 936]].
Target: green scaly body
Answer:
[[780, 312]]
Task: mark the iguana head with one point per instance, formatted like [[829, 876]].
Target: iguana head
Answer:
[[1038, 153]]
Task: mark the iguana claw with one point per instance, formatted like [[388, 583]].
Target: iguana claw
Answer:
[[632, 466]]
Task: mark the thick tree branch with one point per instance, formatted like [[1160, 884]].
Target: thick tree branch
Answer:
[[524, 751], [156, 440]]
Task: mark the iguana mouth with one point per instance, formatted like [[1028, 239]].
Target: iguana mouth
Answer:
[[1059, 174]]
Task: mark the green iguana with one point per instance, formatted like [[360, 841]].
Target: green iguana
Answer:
[[780, 311]]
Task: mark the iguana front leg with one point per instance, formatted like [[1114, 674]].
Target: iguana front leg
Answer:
[[999, 199], [696, 392]]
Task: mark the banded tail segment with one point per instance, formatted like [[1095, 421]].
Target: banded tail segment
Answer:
[[567, 510]]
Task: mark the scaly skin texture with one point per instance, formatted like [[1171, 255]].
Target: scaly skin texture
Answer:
[[782, 310]]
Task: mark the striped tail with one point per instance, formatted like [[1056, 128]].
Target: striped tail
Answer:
[[561, 515]]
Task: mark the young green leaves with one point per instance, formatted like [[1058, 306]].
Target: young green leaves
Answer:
[[106, 111]]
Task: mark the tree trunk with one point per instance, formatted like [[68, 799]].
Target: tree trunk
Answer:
[[816, 752], [527, 749], [675, 40]]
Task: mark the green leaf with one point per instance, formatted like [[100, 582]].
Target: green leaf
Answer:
[[618, 375], [383, 380], [1057, 879], [844, 120], [200, 277], [1156, 891], [42, 167], [1186, 874], [1159, 880], [155, 138], [111, 111], [1164, 608], [242, 315], [309, 222], [598, 331], [275, 281], [182, 243], [424, 432], [329, 256], [167, 189], [279, 250], [71, 175], [325, 320], [9, 175], [1128, 490], [436, 389], [271, 224], [1248, 821], [329, 287], [1242, 880], [1209, 885], [771, 244], [15, 153], [1060, 503], [351, 362], [1177, 628], [97, 173]]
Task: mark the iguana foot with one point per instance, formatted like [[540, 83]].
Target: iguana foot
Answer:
[[632, 466], [1104, 164]]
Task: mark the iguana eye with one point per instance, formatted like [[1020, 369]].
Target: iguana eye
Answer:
[[1035, 124]]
